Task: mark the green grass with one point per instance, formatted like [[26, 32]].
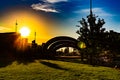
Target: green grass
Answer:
[[57, 70]]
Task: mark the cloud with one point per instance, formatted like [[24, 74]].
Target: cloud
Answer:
[[4, 28], [44, 7], [47, 6], [55, 1], [98, 11]]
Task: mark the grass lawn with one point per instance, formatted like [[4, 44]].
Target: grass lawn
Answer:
[[57, 70]]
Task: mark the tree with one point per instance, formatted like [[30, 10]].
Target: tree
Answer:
[[92, 34]]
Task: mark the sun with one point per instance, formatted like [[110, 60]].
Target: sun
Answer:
[[25, 31]]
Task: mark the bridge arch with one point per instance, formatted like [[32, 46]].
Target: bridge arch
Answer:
[[58, 42]]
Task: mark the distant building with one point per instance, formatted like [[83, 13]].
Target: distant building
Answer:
[[7, 41]]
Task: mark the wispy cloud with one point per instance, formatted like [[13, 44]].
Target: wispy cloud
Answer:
[[44, 7], [55, 1], [4, 28], [98, 11], [47, 5]]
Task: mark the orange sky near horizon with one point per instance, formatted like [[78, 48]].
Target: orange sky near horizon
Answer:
[[34, 22], [45, 27]]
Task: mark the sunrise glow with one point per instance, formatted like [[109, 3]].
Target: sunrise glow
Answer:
[[25, 31]]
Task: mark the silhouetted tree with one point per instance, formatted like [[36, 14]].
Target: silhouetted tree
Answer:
[[113, 42], [91, 33]]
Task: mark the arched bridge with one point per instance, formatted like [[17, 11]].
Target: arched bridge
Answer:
[[58, 42]]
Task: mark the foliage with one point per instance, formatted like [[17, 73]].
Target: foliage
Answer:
[[92, 33]]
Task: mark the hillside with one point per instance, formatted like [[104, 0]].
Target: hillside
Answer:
[[57, 70]]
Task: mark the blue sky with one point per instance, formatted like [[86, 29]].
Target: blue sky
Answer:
[[67, 12]]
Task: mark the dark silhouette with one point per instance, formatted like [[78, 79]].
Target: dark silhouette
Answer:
[[7, 47], [53, 44], [102, 47], [91, 34], [95, 37]]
